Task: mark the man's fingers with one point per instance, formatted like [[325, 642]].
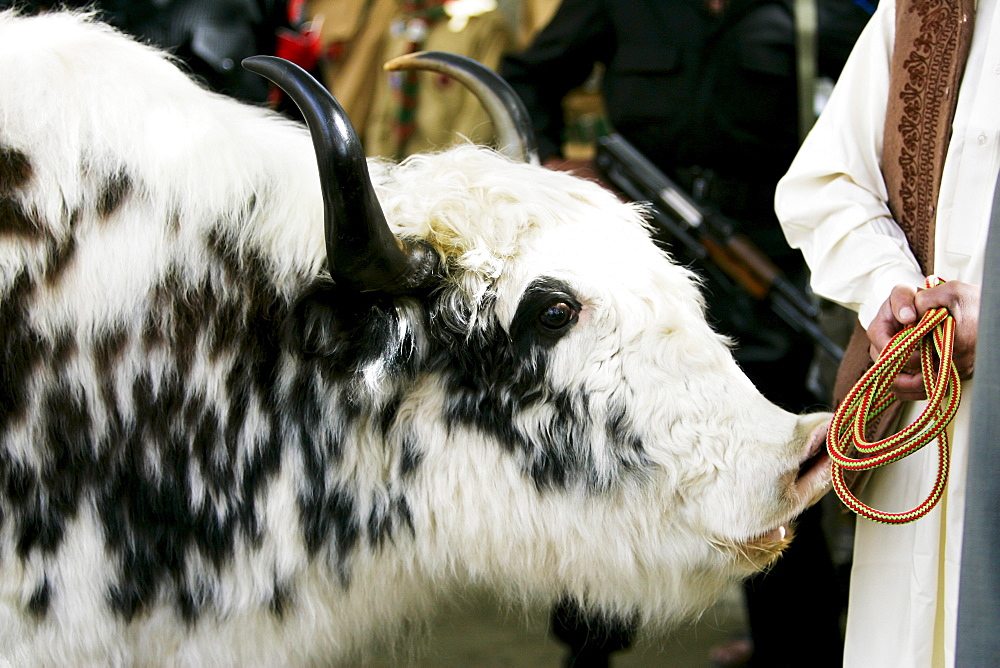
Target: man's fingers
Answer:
[[962, 301], [881, 329], [896, 312], [909, 387], [956, 296], [902, 300], [903, 308]]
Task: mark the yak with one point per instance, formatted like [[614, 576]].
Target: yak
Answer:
[[264, 400]]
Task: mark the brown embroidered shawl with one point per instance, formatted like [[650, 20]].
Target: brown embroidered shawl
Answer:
[[931, 47], [928, 59]]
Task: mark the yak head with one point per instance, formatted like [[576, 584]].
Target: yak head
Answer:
[[574, 423]]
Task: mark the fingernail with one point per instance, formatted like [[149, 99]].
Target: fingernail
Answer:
[[907, 313]]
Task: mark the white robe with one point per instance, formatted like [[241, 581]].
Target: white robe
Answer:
[[832, 205]]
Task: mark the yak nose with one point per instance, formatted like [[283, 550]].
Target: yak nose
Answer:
[[813, 476]]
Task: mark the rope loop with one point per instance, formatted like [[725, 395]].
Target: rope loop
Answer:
[[872, 395]]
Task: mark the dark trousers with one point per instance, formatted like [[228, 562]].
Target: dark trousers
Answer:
[[794, 608]]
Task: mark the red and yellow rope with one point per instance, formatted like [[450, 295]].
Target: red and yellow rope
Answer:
[[935, 333]]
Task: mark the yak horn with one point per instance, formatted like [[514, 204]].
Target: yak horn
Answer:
[[361, 249], [503, 106]]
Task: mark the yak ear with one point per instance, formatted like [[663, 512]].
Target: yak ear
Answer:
[[361, 249], [505, 109]]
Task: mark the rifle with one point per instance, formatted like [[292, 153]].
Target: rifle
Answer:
[[709, 238]]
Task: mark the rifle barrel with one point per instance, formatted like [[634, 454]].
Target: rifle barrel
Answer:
[[709, 238]]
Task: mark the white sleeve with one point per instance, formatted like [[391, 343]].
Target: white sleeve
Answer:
[[832, 202]]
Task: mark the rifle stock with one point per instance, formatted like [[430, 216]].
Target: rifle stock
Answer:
[[708, 238]]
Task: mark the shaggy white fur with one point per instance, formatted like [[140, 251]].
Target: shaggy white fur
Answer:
[[210, 456]]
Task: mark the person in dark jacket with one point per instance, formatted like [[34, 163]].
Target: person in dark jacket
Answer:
[[708, 83], [708, 91]]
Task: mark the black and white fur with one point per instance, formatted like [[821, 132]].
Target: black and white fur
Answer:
[[212, 453]]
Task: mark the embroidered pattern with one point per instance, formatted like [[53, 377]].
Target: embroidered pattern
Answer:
[[932, 72]]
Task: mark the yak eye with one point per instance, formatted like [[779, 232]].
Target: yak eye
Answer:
[[557, 316], [547, 312]]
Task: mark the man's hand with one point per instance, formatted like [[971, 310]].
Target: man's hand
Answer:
[[905, 306]]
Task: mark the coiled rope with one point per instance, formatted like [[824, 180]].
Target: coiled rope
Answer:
[[872, 395]]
